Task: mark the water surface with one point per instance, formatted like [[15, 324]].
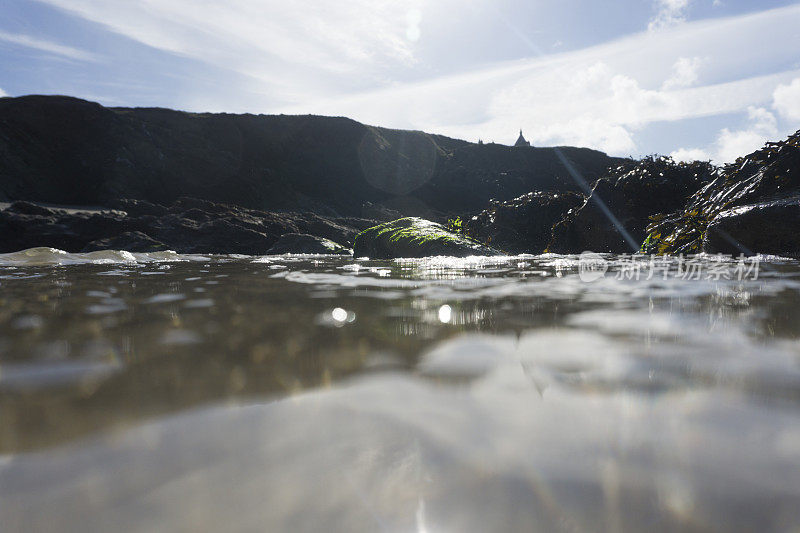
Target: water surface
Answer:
[[153, 392]]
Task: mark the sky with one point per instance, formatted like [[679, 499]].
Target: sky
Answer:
[[695, 79]]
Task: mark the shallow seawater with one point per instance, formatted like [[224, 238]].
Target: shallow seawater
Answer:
[[162, 392]]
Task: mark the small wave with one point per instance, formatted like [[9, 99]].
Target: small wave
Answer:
[[54, 256], [473, 261], [291, 258]]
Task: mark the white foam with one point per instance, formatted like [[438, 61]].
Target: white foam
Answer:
[[54, 256]]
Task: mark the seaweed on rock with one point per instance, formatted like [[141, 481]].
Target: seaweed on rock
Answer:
[[767, 178], [415, 237], [615, 217], [522, 225]]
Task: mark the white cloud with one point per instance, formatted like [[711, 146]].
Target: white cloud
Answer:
[[3, 93], [764, 122], [734, 144], [690, 154], [597, 97], [597, 133], [730, 145], [593, 106], [670, 13], [786, 100], [47, 46], [413, 30], [684, 73]]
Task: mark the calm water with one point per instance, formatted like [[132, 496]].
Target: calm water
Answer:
[[162, 392]]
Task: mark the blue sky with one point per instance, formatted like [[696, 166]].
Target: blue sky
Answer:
[[693, 78]]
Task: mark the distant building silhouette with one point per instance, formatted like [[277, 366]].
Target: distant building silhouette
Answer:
[[521, 141]]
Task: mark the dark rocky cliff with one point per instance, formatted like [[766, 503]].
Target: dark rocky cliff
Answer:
[[69, 151]]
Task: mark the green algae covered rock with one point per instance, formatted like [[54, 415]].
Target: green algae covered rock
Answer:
[[415, 237]]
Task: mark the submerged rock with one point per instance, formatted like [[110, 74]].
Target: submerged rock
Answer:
[[749, 208], [616, 214], [522, 225], [302, 243], [415, 237]]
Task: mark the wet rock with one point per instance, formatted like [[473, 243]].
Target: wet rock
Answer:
[[380, 212], [138, 207], [339, 230], [415, 237], [758, 190], [187, 226], [616, 214], [52, 229], [302, 243], [522, 225], [353, 222], [770, 228], [229, 234], [131, 241], [29, 208]]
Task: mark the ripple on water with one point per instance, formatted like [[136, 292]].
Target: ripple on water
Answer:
[[181, 337], [440, 390], [201, 303], [165, 298]]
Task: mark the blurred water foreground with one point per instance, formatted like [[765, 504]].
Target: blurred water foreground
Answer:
[[159, 392]]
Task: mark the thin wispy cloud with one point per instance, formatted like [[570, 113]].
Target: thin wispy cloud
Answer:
[[46, 46], [338, 45]]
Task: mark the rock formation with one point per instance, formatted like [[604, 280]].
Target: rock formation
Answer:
[[68, 151], [187, 226], [751, 207]]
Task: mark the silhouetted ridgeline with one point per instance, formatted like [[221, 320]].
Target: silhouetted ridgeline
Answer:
[[69, 151]]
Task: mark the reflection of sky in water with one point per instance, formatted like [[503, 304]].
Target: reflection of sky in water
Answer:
[[313, 393]]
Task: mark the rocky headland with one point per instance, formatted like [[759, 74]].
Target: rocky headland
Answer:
[[158, 179]]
